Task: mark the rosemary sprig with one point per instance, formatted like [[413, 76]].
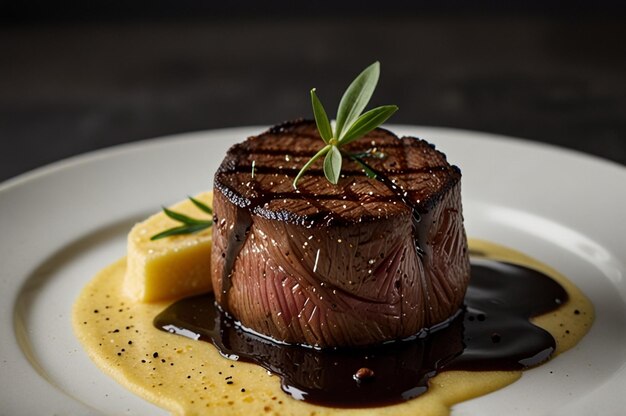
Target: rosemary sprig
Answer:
[[369, 172], [189, 225], [350, 124], [369, 153]]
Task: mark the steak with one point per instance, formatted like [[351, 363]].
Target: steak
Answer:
[[353, 264]]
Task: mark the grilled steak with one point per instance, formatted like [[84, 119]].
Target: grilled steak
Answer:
[[357, 263]]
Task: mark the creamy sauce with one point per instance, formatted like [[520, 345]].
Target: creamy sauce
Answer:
[[189, 377]]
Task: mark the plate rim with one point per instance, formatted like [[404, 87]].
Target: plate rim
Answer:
[[85, 159], [111, 151]]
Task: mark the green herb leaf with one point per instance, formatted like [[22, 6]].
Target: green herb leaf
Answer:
[[308, 164], [321, 119], [201, 206], [368, 122], [183, 229], [369, 172], [369, 153], [332, 165], [356, 98], [350, 124], [181, 217], [190, 225]]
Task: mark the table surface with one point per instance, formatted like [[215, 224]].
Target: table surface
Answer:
[[71, 87]]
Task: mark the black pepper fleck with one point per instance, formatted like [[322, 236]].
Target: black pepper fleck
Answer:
[[155, 355]]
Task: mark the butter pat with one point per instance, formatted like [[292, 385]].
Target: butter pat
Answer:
[[172, 267]]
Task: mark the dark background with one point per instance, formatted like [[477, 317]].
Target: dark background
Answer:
[[77, 76]]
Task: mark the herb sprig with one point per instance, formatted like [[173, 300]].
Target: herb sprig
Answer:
[[350, 124], [189, 225]]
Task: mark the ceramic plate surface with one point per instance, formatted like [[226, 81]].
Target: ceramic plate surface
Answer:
[[62, 223]]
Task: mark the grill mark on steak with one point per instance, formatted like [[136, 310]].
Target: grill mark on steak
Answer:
[[293, 171], [399, 188]]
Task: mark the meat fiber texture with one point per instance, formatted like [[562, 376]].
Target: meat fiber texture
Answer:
[[352, 264]]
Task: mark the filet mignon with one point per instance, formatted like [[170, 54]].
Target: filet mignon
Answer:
[[357, 263]]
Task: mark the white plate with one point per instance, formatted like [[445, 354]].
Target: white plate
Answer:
[[62, 223]]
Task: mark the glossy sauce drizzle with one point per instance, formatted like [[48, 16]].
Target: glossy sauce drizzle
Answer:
[[491, 332]]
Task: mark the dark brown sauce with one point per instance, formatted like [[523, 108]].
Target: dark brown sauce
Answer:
[[492, 332], [419, 231], [236, 240]]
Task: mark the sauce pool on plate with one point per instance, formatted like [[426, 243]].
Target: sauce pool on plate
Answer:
[[475, 353]]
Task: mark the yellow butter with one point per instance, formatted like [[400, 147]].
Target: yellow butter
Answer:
[[171, 267]]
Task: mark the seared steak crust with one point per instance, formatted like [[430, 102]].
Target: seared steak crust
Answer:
[[360, 262]]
